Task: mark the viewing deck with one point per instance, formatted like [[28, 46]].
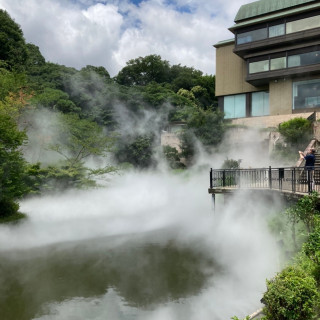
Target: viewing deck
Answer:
[[294, 181]]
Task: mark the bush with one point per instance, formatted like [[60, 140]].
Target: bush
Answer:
[[296, 131], [230, 164], [173, 158], [290, 295], [8, 207]]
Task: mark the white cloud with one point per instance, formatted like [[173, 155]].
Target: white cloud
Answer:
[[109, 33]]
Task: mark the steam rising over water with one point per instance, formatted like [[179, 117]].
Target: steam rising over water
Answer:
[[132, 227]]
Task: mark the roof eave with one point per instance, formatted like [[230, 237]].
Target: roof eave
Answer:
[[274, 16]]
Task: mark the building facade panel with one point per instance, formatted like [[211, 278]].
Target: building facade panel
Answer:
[[272, 67], [232, 71], [280, 97]]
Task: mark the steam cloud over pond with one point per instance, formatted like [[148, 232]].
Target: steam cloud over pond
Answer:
[[149, 246]]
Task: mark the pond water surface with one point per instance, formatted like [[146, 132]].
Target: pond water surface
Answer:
[[153, 253]]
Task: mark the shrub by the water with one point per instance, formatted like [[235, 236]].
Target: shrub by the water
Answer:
[[291, 295], [8, 207]]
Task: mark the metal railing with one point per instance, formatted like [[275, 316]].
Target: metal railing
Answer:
[[292, 179]]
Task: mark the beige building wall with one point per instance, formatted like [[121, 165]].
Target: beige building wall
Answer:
[[280, 97], [230, 72]]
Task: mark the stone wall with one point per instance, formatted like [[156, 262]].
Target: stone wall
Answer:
[[270, 121]]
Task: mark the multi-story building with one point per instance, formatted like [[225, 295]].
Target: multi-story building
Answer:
[[271, 67]]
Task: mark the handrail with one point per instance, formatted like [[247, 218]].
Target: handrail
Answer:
[[289, 179]]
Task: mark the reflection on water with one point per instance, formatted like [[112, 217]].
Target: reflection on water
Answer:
[[123, 278]]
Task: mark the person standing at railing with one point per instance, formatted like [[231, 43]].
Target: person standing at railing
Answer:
[[310, 159]]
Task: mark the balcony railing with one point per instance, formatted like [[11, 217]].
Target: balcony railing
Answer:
[[292, 179]]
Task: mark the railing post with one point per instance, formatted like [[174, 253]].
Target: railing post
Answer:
[[270, 178], [281, 176], [211, 185], [224, 178], [294, 180]]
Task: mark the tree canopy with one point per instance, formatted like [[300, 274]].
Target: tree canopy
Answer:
[[13, 50], [96, 114]]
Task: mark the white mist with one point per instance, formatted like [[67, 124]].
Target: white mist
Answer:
[[180, 208]]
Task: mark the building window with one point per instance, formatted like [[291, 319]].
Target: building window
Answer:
[[277, 30], [292, 60], [306, 94], [259, 66], [235, 106], [260, 104], [303, 24], [278, 63], [304, 59], [253, 35]]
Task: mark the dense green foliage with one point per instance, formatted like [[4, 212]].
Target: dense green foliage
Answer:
[[13, 50], [230, 164], [295, 291], [291, 295], [12, 166], [296, 130], [296, 135], [90, 115]]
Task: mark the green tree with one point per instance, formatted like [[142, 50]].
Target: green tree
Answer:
[[55, 99], [49, 75], [35, 59], [91, 90], [173, 157], [101, 71], [79, 139], [10, 82], [306, 209], [207, 126], [12, 43], [291, 295], [312, 246], [230, 164], [182, 77], [137, 150], [296, 131], [187, 145], [12, 165], [208, 82], [187, 94], [144, 70]]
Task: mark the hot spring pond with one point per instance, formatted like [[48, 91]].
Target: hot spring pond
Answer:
[[105, 278]]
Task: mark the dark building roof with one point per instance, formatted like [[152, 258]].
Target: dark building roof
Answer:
[[263, 7]]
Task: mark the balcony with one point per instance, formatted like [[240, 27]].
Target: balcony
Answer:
[[278, 44], [263, 78]]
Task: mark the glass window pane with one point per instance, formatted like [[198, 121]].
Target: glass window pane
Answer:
[[259, 66], [304, 59], [235, 106], [306, 94], [276, 31], [260, 104], [294, 61], [228, 106], [310, 58], [250, 36], [278, 63], [240, 106], [303, 24]]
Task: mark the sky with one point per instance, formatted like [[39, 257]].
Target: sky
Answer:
[[109, 33]]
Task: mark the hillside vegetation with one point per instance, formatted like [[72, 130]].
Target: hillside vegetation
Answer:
[[61, 127]]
